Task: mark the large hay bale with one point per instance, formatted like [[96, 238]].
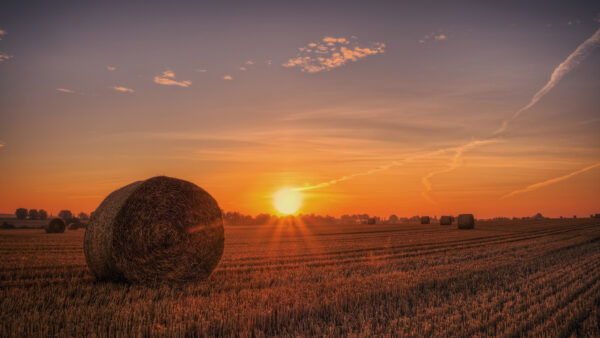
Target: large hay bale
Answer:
[[425, 220], [446, 220], [466, 221], [56, 226], [159, 230]]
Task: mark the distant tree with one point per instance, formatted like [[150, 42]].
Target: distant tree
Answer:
[[33, 214], [21, 213], [42, 214], [393, 219], [83, 216], [65, 214]]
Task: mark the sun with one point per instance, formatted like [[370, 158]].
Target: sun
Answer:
[[287, 200]]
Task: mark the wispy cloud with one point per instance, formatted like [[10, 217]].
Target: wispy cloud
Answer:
[[563, 69], [551, 181], [577, 56], [65, 90], [243, 69], [111, 68], [249, 62], [227, 77], [571, 61], [434, 37], [2, 33], [330, 53], [122, 89], [168, 79], [456, 162], [4, 57]]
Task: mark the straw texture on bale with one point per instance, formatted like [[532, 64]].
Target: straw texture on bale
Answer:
[[56, 226], [425, 220], [466, 221], [446, 220], [159, 230]]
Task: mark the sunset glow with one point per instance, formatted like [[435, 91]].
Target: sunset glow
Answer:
[[387, 109], [287, 200]]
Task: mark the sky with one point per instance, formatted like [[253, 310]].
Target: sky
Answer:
[[363, 106]]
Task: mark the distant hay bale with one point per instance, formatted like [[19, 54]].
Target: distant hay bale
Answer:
[[73, 226], [425, 220], [466, 221], [6, 225], [446, 220], [56, 226], [159, 230]]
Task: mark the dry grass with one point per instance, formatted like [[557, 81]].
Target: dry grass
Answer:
[[535, 278]]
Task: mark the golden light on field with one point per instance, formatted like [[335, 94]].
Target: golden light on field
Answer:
[[287, 200]]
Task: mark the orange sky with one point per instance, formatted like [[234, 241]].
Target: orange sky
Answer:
[[424, 113]]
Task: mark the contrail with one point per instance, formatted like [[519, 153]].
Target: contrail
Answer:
[[456, 162], [374, 170], [559, 72], [567, 65], [550, 181]]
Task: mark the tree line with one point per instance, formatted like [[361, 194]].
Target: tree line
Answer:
[[41, 214]]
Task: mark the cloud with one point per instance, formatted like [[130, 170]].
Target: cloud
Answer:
[[2, 144], [243, 68], [249, 62], [565, 67], [559, 72], [434, 37], [123, 89], [330, 53], [2, 33], [572, 60], [551, 181], [111, 68], [65, 90], [168, 79], [227, 77], [4, 57]]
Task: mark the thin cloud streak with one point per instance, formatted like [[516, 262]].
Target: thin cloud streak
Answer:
[[456, 162], [563, 69], [65, 90], [550, 181], [572, 60], [123, 89]]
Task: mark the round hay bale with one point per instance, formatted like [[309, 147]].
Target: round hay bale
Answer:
[[425, 220], [446, 220], [466, 221], [56, 226], [159, 230], [6, 225]]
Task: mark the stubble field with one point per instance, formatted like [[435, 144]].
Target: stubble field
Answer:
[[534, 278]]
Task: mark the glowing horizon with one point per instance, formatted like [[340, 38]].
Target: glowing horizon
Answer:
[[425, 112]]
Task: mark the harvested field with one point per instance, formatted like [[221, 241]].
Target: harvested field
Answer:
[[535, 278]]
